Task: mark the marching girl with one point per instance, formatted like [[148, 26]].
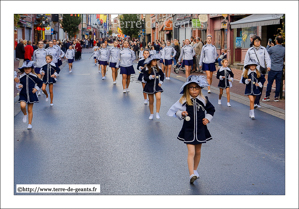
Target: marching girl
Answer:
[[169, 53], [39, 58], [141, 69], [207, 60], [49, 73], [141, 53], [94, 55], [114, 61], [253, 80], [226, 77], [161, 53], [187, 53], [103, 58], [153, 51], [192, 107], [70, 54], [29, 83], [127, 56], [51, 50], [154, 78]]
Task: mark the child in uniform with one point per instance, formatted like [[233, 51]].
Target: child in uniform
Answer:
[[225, 76], [253, 80], [70, 54], [49, 73], [192, 107], [29, 84], [154, 78], [142, 62]]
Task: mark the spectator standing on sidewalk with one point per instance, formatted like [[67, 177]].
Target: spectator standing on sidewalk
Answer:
[[20, 52], [277, 55], [178, 51], [28, 50], [251, 39], [197, 50]]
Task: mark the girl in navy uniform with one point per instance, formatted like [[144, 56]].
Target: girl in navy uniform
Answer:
[[168, 54], [49, 73], [127, 56], [103, 57], [70, 55], [254, 81], [29, 83], [187, 54], [141, 68], [39, 58], [192, 107], [154, 78], [114, 61], [226, 77], [207, 60]]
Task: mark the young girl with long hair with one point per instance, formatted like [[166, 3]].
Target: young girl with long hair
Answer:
[[49, 73], [103, 57], [141, 68], [225, 76], [154, 78], [254, 81], [192, 107], [28, 85]]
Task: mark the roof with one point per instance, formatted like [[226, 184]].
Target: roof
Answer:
[[257, 20]]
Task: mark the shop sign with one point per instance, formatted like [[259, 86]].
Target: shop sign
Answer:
[[203, 18], [48, 30], [224, 24]]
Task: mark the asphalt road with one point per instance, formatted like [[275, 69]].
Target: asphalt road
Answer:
[[95, 134]]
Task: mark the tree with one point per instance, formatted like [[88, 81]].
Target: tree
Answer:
[[110, 32], [16, 20], [70, 24], [130, 24]]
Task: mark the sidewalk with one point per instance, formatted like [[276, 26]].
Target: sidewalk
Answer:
[[237, 92]]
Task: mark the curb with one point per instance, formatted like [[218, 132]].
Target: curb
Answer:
[[275, 111], [17, 108]]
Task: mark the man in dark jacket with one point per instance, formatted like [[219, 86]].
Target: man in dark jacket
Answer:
[[20, 52]]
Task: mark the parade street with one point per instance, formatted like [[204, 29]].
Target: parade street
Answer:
[[96, 134]]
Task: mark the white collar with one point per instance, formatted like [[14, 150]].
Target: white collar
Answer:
[[251, 71], [23, 74], [198, 97], [224, 68]]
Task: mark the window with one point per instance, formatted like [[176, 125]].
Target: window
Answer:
[[217, 39], [243, 36], [203, 35]]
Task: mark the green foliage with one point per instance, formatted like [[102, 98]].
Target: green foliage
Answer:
[[16, 20], [130, 24], [110, 32], [70, 24]]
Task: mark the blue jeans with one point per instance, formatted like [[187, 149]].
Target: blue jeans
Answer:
[[219, 61], [174, 61], [277, 75]]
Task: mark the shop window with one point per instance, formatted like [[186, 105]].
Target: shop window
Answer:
[[217, 39], [246, 36]]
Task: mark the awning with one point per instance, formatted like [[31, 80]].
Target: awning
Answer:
[[257, 20]]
